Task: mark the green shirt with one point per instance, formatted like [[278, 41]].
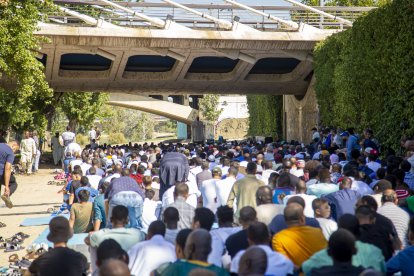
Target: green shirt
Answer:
[[82, 213], [368, 256], [126, 237], [183, 268]]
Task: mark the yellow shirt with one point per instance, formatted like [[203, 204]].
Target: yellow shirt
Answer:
[[299, 243]]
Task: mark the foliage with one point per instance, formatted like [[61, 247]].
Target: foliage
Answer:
[[365, 75], [265, 115], [209, 107], [166, 126], [82, 109], [116, 138], [135, 125], [82, 139], [25, 95]]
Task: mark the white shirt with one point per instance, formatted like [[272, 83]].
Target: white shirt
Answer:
[[328, 226], [223, 189], [208, 192], [373, 166], [265, 176], [92, 134], [218, 244], [94, 180], [308, 203], [73, 148], [168, 196], [192, 174], [277, 264], [361, 187], [75, 162], [147, 256], [150, 212], [171, 235], [85, 167]]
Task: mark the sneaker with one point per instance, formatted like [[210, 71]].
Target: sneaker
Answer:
[[7, 200]]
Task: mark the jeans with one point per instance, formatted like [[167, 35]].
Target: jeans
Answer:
[[134, 202]]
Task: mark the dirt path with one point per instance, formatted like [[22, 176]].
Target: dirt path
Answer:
[[32, 199]]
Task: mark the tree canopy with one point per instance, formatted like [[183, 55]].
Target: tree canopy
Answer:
[[25, 95], [209, 107]]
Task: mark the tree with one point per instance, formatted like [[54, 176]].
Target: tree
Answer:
[[209, 107], [82, 109], [25, 95]]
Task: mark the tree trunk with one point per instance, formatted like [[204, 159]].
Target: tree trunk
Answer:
[[73, 124]]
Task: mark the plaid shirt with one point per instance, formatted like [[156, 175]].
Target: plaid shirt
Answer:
[[186, 212]]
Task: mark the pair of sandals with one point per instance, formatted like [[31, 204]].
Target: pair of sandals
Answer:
[[36, 250], [14, 243], [16, 263], [10, 247]]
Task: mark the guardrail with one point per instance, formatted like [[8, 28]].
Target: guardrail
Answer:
[[225, 12]]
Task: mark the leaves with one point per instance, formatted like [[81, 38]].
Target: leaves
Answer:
[[209, 107], [265, 115], [24, 93], [365, 75]]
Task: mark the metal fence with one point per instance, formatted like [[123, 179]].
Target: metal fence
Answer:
[[223, 11]]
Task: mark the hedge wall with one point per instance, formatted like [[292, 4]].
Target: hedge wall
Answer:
[[265, 115], [365, 76]]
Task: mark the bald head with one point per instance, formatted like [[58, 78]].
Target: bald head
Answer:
[[264, 195], [294, 215], [114, 267], [389, 195], [198, 245]]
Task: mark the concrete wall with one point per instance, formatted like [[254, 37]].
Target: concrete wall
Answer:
[[300, 116], [235, 128]]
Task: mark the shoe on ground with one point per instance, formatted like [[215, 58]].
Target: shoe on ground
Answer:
[[7, 200]]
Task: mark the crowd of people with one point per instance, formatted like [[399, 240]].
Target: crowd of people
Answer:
[[334, 207]]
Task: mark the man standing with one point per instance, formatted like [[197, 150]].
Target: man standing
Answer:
[[35, 166], [28, 152], [92, 135], [57, 150], [197, 129], [6, 178], [244, 190], [68, 137]]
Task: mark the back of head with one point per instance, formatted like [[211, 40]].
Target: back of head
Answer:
[[258, 233], [181, 238], [205, 165], [110, 249], [198, 245], [253, 262], [296, 199], [204, 218], [350, 223], [84, 181], [389, 195], [233, 171], [368, 201], [341, 245], [120, 214], [293, 214], [156, 228], [181, 189], [264, 195], [113, 267], [324, 175], [225, 215], [251, 168], [383, 185], [365, 214], [83, 195], [247, 215], [171, 215]]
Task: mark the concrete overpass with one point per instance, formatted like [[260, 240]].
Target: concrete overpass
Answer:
[[254, 52], [153, 48]]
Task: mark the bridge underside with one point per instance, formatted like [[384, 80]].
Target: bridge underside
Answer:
[[178, 112], [148, 61]]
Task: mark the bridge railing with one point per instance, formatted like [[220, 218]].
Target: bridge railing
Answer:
[[221, 11]]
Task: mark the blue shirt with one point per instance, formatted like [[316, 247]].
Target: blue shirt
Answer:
[[402, 262], [99, 210], [6, 156], [66, 164], [278, 223], [342, 202], [92, 193], [351, 144]]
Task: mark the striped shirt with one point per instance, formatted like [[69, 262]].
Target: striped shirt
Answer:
[[399, 218]]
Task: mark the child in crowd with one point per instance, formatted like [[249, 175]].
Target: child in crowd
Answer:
[[322, 212]]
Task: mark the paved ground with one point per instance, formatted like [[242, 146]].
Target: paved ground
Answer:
[[32, 199]]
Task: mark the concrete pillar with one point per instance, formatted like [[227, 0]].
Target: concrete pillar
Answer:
[[300, 116]]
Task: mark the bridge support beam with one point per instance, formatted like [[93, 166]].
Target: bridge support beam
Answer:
[[300, 115]]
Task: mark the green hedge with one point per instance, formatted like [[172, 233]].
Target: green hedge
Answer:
[[365, 76], [265, 115]]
